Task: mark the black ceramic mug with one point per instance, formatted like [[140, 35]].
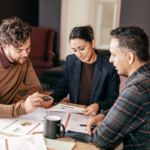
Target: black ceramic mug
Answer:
[[52, 126]]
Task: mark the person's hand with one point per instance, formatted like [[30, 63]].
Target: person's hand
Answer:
[[91, 110], [33, 102], [21, 101], [94, 121], [47, 104]]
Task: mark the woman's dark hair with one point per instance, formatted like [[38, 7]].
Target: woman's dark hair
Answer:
[[15, 32], [133, 38], [83, 32]]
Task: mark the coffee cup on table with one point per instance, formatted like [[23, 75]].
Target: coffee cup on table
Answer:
[[52, 126]]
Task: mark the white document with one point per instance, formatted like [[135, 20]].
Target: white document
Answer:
[[40, 128], [17, 126], [74, 123], [3, 142], [32, 142], [66, 108], [37, 115], [25, 124], [59, 145]]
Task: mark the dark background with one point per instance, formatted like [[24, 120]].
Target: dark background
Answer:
[[27, 10], [49, 17], [136, 12], [46, 13]]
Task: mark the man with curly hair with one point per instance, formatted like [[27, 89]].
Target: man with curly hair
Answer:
[[128, 120], [16, 68]]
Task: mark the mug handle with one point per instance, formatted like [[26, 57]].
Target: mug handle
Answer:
[[62, 133]]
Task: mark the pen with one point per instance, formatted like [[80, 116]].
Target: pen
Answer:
[[84, 125]]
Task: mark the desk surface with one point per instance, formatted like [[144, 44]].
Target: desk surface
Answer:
[[78, 145]]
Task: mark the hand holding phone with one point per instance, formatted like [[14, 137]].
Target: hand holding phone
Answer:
[[46, 98]]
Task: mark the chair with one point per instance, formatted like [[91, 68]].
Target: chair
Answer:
[[41, 54], [52, 76]]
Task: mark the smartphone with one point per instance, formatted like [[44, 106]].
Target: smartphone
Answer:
[[46, 98]]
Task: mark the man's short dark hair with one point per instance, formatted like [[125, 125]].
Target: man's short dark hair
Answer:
[[14, 32], [133, 38]]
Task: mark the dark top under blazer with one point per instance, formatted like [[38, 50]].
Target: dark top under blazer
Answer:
[[105, 83]]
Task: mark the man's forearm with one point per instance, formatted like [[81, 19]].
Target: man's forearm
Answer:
[[10, 111]]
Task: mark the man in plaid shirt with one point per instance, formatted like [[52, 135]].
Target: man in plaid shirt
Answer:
[[128, 120]]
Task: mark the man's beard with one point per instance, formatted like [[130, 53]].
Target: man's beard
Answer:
[[16, 60]]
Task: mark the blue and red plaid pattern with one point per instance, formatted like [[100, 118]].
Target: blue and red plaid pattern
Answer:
[[128, 120]]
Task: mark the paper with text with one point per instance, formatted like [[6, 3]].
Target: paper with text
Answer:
[[74, 123], [17, 126], [66, 108]]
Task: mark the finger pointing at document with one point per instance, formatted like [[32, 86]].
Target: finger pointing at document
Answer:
[[94, 121]]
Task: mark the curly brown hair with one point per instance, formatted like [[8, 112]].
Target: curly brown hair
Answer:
[[14, 32]]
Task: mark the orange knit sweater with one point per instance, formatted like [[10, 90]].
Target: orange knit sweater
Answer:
[[11, 79]]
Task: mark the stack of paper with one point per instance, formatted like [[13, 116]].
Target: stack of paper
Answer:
[[32, 142], [33, 122]]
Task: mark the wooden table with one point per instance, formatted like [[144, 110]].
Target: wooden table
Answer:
[[78, 145]]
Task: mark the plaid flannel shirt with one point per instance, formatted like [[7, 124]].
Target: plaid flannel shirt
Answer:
[[129, 118]]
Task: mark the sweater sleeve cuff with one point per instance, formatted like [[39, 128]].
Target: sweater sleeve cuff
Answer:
[[14, 110], [22, 110]]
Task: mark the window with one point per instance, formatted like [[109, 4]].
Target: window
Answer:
[[102, 15], [105, 20]]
